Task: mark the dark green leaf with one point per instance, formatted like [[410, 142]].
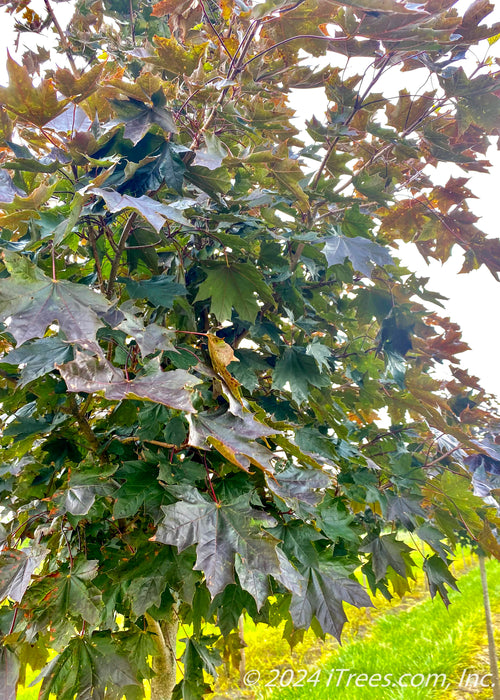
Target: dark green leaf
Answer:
[[39, 358], [438, 575], [160, 291], [387, 551], [298, 371], [138, 118], [85, 667], [213, 182], [324, 597], [175, 431], [193, 685], [74, 595], [335, 521], [238, 286], [141, 488]]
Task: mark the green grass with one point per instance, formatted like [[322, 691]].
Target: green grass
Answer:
[[426, 639]]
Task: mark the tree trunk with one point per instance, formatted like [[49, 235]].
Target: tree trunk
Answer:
[[489, 629], [241, 634], [164, 663]]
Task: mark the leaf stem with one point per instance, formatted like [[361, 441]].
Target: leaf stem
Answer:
[[191, 332], [14, 618], [209, 480], [443, 456], [151, 442], [53, 254]]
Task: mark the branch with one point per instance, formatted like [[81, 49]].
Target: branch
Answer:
[[95, 253], [321, 37], [84, 425], [152, 442], [294, 261], [62, 36], [388, 146], [119, 251], [357, 107], [155, 626], [234, 69], [215, 30]]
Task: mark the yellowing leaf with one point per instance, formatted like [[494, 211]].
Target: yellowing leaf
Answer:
[[36, 105], [234, 437], [221, 355], [226, 9], [33, 201], [83, 86], [174, 58]]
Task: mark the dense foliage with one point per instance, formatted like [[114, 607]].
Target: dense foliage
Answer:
[[221, 390]]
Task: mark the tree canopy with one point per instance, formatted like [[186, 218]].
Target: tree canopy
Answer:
[[221, 390]]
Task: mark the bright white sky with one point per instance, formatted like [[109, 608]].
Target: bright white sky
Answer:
[[473, 299]]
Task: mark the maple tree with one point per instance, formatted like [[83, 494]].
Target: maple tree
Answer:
[[221, 390]]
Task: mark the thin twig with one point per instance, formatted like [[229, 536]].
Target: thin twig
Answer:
[[152, 442], [141, 247], [67, 545], [443, 456], [232, 71], [388, 146], [209, 480], [132, 26]]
